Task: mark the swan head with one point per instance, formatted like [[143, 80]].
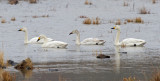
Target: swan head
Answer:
[[116, 27], [24, 29], [74, 32], [41, 37]]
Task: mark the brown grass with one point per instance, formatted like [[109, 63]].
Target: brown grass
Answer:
[[3, 21], [33, 1], [87, 2], [13, 19], [138, 20], [6, 76], [97, 20], [1, 59], [25, 64], [156, 77], [87, 21], [125, 22], [13, 2], [94, 22], [61, 78], [153, 1], [118, 22], [130, 79], [144, 11], [125, 4], [129, 20]]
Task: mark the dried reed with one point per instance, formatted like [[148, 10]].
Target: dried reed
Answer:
[[1, 59], [118, 22], [144, 11], [13, 19], [97, 20], [138, 20], [87, 21], [156, 77], [130, 79], [33, 1], [125, 4], [129, 20], [13, 2], [153, 1], [3, 21], [87, 3]]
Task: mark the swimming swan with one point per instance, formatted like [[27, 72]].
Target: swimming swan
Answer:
[[128, 41], [87, 41], [51, 44], [33, 40]]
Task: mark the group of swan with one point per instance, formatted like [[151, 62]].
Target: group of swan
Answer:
[[50, 43]]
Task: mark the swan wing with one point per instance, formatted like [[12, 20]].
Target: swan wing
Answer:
[[133, 42], [55, 44], [50, 39], [93, 41]]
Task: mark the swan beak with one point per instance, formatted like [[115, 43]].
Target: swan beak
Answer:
[[38, 39], [20, 30], [70, 33], [113, 28]]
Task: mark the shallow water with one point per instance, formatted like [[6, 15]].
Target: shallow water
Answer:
[[79, 63]]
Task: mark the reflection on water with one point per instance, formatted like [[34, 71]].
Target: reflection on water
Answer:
[[117, 59], [26, 73]]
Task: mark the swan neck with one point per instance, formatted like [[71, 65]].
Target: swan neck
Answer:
[[26, 37], [117, 37], [78, 39]]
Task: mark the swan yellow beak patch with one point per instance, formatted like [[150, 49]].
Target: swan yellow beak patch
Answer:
[[38, 39], [20, 30]]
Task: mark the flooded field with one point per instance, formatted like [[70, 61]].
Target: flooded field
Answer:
[[57, 18]]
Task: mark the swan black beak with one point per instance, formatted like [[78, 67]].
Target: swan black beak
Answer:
[[38, 39], [70, 33], [113, 28], [20, 30]]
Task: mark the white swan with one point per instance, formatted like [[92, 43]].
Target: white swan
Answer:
[[51, 44], [128, 41], [87, 41], [33, 40]]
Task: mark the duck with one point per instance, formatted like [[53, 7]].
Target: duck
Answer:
[[51, 44], [87, 41], [32, 40], [132, 42]]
